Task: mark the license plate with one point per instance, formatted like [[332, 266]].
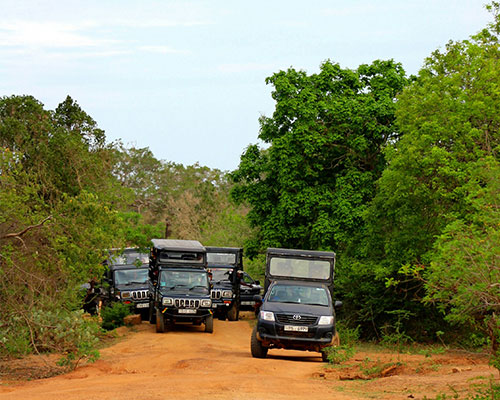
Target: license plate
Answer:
[[142, 305], [248, 303], [186, 311], [295, 328]]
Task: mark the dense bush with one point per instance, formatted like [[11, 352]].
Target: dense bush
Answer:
[[112, 316]]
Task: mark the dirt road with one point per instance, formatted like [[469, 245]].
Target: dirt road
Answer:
[[191, 364]]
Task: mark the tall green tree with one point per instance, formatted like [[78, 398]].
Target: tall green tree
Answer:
[[450, 124], [58, 214], [311, 184]]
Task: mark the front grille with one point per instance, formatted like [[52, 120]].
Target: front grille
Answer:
[[216, 294], [296, 319], [187, 303], [140, 294], [281, 332]]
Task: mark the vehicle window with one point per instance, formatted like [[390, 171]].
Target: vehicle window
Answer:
[[131, 276], [220, 274], [129, 258], [300, 268], [181, 257], [247, 279], [299, 294], [183, 279], [221, 258]]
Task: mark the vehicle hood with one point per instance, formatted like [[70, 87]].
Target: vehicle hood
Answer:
[[293, 308], [184, 293], [250, 289], [131, 288], [224, 285]]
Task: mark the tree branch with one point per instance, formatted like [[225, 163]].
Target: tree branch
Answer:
[[18, 235]]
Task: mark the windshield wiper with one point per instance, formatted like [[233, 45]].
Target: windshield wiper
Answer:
[[135, 283], [198, 286], [173, 287]]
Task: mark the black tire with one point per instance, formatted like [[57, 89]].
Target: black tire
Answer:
[[258, 351], [160, 322], [144, 315], [324, 356], [152, 313], [209, 324], [234, 312]]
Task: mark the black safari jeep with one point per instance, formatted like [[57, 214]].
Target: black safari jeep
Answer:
[[178, 284], [249, 287], [127, 279], [297, 311], [225, 265]]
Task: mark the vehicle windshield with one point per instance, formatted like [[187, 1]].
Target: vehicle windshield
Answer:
[[220, 274], [311, 295], [300, 268], [129, 258], [131, 276], [221, 258], [184, 280]]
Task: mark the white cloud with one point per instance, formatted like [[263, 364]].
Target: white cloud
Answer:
[[162, 50], [156, 23], [47, 34]]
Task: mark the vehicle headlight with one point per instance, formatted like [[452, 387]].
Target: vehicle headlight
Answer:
[[227, 293], [125, 295], [325, 320], [267, 315], [206, 303], [167, 301]]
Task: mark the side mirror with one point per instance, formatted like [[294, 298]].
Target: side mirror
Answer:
[[338, 304], [257, 298]]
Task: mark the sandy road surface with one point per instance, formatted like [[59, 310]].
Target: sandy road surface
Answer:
[[185, 364], [191, 364]]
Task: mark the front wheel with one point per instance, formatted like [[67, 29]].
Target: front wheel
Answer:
[[160, 322], [258, 351], [209, 324], [324, 356]]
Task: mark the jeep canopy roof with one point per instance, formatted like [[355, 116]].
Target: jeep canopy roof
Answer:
[[225, 256], [300, 265], [177, 245]]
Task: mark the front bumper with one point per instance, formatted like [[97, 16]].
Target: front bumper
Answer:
[[273, 334], [222, 304], [176, 314], [137, 305], [247, 302]]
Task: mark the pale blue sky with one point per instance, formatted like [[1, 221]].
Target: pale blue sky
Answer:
[[186, 78]]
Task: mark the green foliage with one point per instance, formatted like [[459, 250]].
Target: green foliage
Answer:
[[256, 267], [112, 316], [434, 215], [58, 203], [50, 330], [192, 200], [309, 188], [349, 338], [395, 335]]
